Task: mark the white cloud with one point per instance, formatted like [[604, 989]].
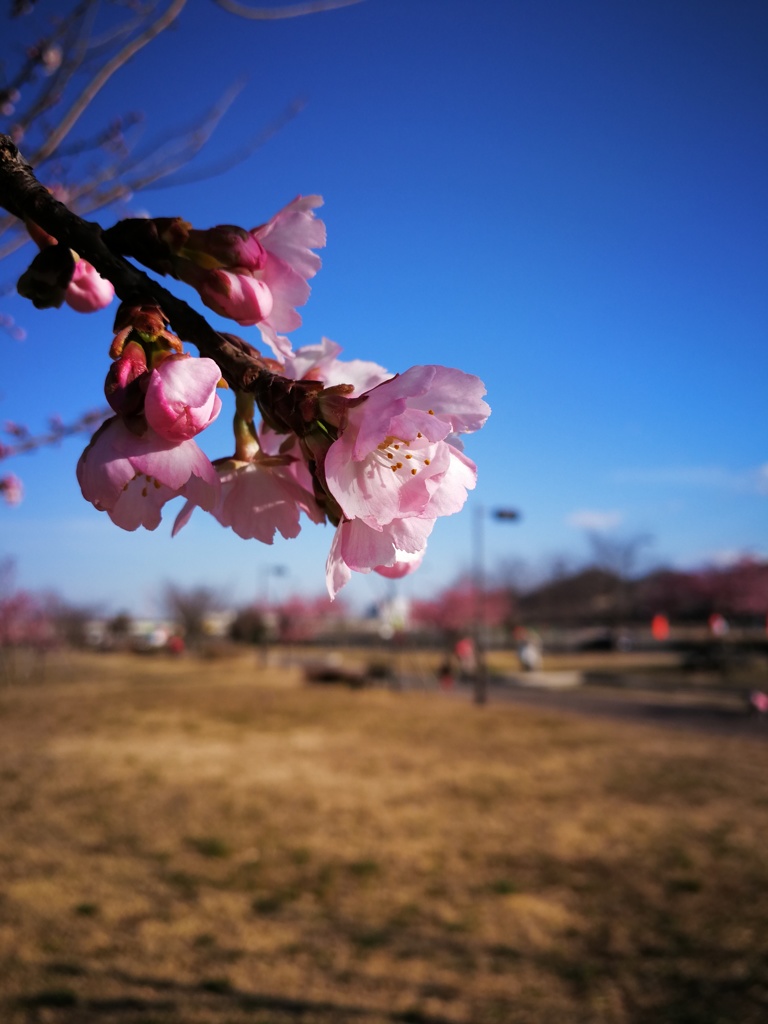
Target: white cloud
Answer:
[[595, 520], [753, 480]]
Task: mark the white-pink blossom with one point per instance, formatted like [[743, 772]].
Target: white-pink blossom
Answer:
[[274, 278], [398, 465], [181, 397], [321, 362], [395, 459], [394, 550], [258, 499], [131, 477], [289, 238]]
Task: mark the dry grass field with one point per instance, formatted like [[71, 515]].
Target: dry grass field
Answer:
[[186, 842]]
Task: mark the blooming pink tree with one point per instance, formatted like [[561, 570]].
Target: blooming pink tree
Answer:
[[459, 606], [25, 628], [376, 454]]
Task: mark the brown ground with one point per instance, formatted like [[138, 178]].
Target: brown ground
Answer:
[[208, 843]]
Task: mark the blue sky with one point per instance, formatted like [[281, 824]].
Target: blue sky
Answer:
[[566, 199]]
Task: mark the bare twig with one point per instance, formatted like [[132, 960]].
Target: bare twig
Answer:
[[100, 79], [231, 160], [57, 432], [277, 13]]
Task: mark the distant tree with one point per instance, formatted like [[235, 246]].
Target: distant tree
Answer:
[[248, 626], [70, 620], [190, 608], [295, 620], [26, 630], [738, 591], [458, 608], [681, 596], [119, 627], [619, 557], [307, 618], [587, 597]]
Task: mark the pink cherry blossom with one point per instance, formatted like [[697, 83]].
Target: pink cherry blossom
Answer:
[[397, 466], [272, 279], [88, 291], [289, 238], [321, 362], [181, 397], [397, 457], [394, 550], [259, 499], [405, 563], [131, 477]]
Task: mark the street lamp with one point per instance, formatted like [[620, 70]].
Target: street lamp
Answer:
[[271, 570], [508, 515]]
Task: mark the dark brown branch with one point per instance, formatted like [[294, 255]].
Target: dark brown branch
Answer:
[[290, 405], [23, 196]]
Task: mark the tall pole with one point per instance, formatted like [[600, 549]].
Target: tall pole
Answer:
[[272, 570], [481, 667]]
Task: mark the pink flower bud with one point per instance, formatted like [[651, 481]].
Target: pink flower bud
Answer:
[[123, 391], [225, 246], [11, 489], [88, 291], [181, 397], [239, 296]]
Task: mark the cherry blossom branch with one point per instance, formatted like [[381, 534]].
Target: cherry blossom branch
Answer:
[[241, 365], [69, 50]]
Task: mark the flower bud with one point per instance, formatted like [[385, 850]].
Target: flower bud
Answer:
[[88, 291], [239, 296], [181, 397], [123, 384], [224, 247]]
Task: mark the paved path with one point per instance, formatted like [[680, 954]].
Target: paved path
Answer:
[[726, 718], [723, 714]]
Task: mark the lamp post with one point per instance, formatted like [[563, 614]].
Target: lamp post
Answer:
[[508, 515], [271, 570]]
